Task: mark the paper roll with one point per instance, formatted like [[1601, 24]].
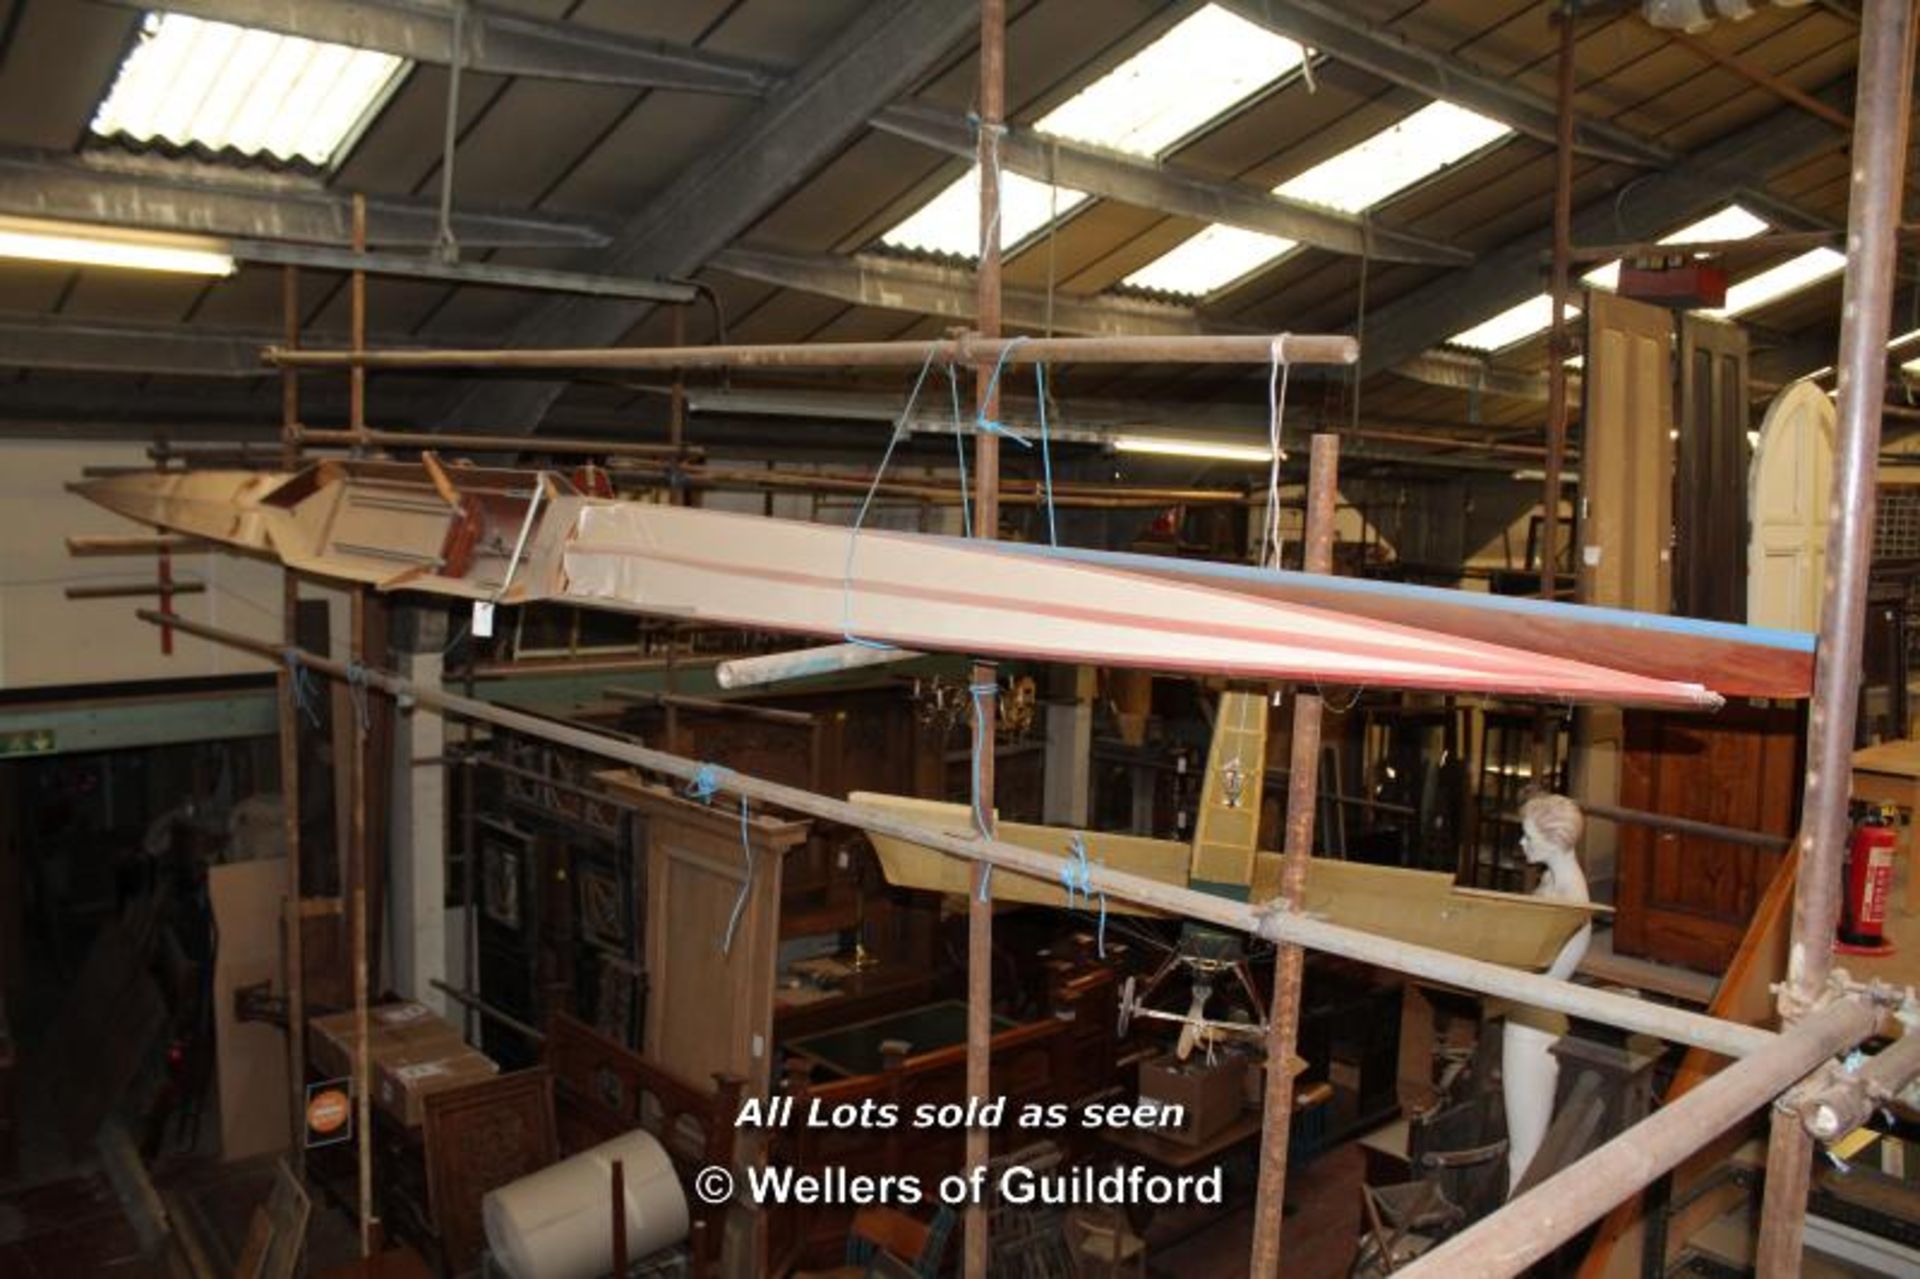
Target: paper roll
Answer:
[[558, 1223]]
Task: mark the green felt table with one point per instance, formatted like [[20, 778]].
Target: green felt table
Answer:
[[855, 1049]]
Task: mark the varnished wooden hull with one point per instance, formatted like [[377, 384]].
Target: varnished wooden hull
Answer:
[[1416, 906], [485, 535]]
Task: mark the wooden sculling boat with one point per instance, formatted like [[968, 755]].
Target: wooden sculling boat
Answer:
[[1732, 659], [520, 537], [1416, 906]]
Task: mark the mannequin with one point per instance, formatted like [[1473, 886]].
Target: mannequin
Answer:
[[1550, 833]]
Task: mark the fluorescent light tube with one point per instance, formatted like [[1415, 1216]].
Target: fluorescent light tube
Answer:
[[1176, 446], [91, 246]]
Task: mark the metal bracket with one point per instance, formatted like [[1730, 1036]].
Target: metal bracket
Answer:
[[257, 1002]]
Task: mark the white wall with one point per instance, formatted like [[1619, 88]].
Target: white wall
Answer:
[[48, 640]]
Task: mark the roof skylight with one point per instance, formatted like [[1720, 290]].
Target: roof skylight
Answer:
[[1774, 283], [1210, 261], [1435, 136], [950, 222], [1364, 175], [223, 87], [1204, 65], [1515, 324]]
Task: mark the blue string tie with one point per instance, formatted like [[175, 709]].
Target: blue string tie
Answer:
[[960, 455], [983, 824], [746, 885], [705, 783], [1046, 451], [1077, 875], [303, 694], [989, 425], [703, 786], [357, 686], [901, 429]]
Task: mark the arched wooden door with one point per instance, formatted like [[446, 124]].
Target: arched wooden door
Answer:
[[1788, 491]]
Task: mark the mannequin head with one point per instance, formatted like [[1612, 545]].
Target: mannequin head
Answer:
[[1550, 827]]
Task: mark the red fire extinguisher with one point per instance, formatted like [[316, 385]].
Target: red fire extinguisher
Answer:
[[1863, 911]]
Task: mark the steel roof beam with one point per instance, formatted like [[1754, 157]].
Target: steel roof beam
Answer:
[[1329, 29], [1651, 207], [1166, 189], [800, 126], [929, 289], [129, 192], [492, 40], [91, 346]]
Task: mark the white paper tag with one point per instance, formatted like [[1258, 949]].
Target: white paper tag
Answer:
[[483, 619], [1590, 555], [403, 1013]]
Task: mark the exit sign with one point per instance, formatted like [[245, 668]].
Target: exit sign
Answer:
[[26, 741]]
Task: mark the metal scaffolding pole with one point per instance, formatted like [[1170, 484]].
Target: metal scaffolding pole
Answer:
[[1729, 1039], [374, 438], [288, 695], [1532, 1226], [1289, 961], [985, 676], [1847, 1101], [1881, 114], [962, 349], [1546, 734], [357, 842]]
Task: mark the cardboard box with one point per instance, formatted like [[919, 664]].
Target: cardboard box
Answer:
[[404, 1083], [395, 1029], [1211, 1097]]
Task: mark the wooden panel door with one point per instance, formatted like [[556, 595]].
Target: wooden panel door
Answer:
[[1683, 899], [1710, 489], [1625, 537], [1789, 491], [1626, 457]]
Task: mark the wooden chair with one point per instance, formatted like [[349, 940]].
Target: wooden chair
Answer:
[[1404, 1220], [889, 1233]]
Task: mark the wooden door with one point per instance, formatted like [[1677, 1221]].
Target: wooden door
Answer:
[[1683, 899], [1710, 488], [1788, 493], [1626, 457], [1626, 512]]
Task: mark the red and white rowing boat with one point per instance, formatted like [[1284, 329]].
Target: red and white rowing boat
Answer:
[[523, 537]]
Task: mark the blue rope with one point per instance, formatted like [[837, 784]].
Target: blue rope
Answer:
[[1077, 875], [1046, 451], [357, 686], [981, 421], [705, 783], [703, 786], [1075, 872], [866, 503], [990, 233], [303, 694], [960, 451], [982, 823], [746, 885]]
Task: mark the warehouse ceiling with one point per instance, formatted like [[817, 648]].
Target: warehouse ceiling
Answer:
[[773, 146]]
